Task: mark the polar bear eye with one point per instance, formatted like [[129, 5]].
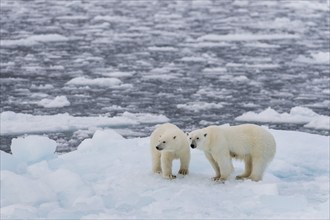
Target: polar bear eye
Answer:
[[197, 138], [164, 142], [190, 138]]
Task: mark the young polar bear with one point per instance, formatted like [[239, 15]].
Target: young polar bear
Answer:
[[248, 142], [168, 142]]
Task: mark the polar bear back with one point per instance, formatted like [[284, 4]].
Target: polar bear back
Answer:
[[246, 139]]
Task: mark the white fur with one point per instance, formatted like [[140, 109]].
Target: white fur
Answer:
[[250, 143], [172, 143]]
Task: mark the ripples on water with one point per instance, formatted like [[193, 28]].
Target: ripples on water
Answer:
[[170, 57]]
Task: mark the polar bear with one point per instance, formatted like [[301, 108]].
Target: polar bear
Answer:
[[248, 142], [168, 142]]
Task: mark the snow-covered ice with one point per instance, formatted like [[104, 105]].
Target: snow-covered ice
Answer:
[[109, 177]]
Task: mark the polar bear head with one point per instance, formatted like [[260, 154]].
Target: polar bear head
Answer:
[[198, 139], [168, 141]]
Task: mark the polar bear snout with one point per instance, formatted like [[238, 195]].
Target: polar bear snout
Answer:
[[158, 147], [193, 144]]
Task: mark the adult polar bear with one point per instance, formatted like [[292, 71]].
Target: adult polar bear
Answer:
[[250, 143], [168, 142]]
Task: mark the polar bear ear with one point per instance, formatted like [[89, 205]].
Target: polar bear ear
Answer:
[[174, 137], [205, 135]]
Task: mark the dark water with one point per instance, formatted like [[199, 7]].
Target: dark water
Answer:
[[159, 48]]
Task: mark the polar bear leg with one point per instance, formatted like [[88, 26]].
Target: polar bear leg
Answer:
[[184, 163], [248, 168], [258, 168], [214, 164], [156, 168], [225, 164], [166, 163]]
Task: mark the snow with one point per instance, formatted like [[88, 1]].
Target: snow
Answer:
[[57, 102], [19, 123], [297, 115], [110, 177]]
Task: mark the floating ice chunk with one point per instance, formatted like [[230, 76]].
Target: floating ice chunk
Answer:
[[320, 122], [310, 5], [33, 148], [246, 37], [215, 70], [208, 44], [115, 19], [145, 118], [261, 45], [102, 82], [257, 66], [193, 59], [35, 39], [199, 106], [58, 102], [71, 18], [297, 115], [18, 123], [241, 79], [162, 49], [317, 58], [118, 74], [321, 57], [42, 87]]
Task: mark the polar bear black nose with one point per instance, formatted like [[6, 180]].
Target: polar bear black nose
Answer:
[[157, 148], [192, 146]]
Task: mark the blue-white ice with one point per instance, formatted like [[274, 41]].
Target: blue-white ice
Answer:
[[109, 177]]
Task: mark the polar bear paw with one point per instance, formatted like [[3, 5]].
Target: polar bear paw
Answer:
[[241, 177], [218, 179], [170, 176], [183, 171]]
